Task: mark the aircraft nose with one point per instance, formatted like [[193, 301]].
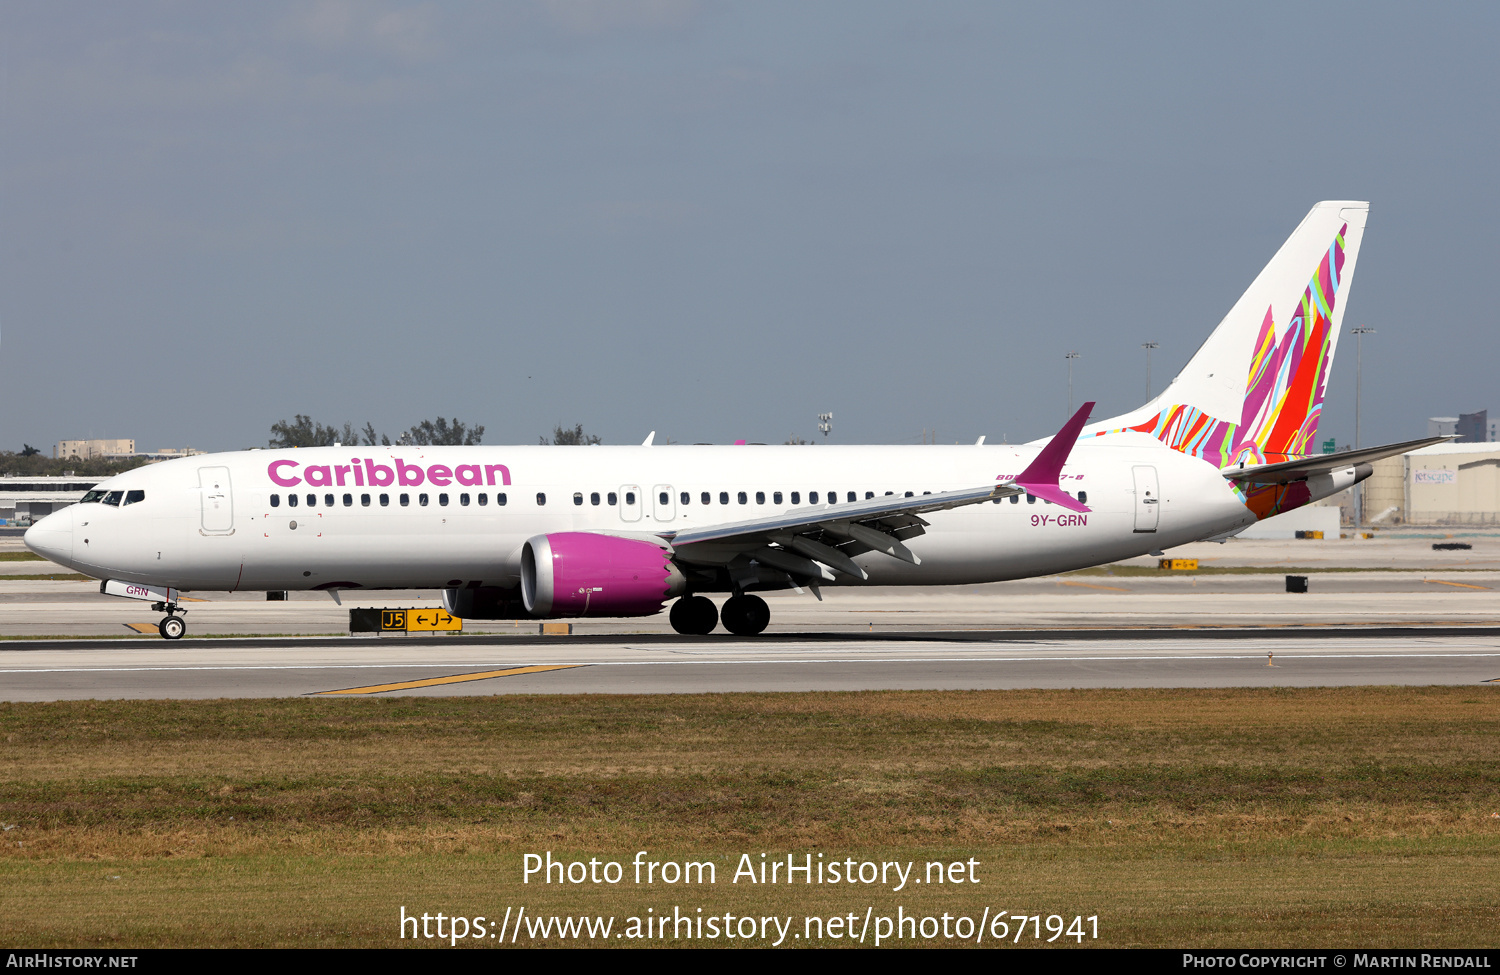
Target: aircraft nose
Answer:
[[52, 537]]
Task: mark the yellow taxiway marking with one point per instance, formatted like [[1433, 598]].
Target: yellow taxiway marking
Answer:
[[1461, 585], [142, 627], [452, 679], [1090, 585]]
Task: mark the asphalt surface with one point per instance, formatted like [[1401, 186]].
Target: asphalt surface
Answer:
[[363, 666], [1434, 620]]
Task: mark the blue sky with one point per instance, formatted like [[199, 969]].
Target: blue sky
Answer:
[[716, 220]]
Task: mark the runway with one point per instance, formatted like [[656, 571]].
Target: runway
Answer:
[[371, 666]]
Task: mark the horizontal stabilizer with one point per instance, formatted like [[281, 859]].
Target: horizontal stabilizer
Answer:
[[1300, 470]]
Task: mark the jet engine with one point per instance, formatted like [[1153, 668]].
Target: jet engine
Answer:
[[586, 574]]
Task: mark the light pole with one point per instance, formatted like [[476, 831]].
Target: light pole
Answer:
[[1070, 357], [1148, 346], [825, 424], [1359, 331]]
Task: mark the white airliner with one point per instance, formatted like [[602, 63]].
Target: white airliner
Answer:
[[537, 532]]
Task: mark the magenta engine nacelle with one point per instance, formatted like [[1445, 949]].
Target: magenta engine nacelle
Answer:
[[589, 574]]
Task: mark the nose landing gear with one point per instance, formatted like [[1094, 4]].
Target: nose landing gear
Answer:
[[172, 626]]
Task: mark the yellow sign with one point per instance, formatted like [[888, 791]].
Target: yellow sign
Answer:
[[418, 620], [1177, 564]]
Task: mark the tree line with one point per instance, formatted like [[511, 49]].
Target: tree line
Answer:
[[304, 431]]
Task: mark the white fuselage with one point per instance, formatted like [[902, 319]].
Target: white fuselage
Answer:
[[223, 522]]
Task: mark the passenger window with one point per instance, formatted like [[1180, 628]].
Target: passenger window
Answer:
[[743, 498], [613, 499], [1031, 499], [443, 500], [275, 500], [484, 499], [889, 493], [541, 499], [131, 497], [908, 494], [723, 497], [926, 492], [868, 495], [500, 498], [385, 500], [760, 497], [405, 500], [812, 497], [663, 498], [364, 500], [291, 501], [328, 501], [853, 496], [630, 497], [706, 498], [1015, 499], [796, 497], [685, 497], [422, 500], [348, 500], [593, 498], [776, 498], [577, 499], [463, 499], [312, 500], [1083, 497]]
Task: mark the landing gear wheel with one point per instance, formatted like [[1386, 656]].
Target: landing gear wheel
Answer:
[[745, 615], [172, 628], [694, 615]]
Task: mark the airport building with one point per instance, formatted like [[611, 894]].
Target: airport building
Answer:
[[116, 450], [25, 500], [90, 449], [1445, 484]]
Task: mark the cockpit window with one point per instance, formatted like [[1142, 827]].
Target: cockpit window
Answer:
[[114, 497], [131, 497], [93, 496]]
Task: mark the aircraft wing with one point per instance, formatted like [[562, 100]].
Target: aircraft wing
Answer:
[[1301, 470], [813, 542]]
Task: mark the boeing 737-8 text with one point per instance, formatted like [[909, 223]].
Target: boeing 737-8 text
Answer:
[[512, 532]]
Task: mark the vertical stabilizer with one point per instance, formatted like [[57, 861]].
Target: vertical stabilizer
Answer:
[[1254, 390]]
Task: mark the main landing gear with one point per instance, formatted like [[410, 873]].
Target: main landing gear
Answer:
[[694, 615], [742, 615], [172, 626]]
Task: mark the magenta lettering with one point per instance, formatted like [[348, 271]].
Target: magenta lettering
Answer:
[[439, 475], [468, 475], [318, 476], [410, 475], [379, 474], [489, 474], [276, 478], [359, 473], [339, 470]]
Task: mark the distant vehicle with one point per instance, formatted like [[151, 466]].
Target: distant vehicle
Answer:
[[537, 532]]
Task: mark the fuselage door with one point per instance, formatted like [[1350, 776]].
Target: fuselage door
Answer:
[[1147, 499], [218, 500], [630, 502], [666, 507]]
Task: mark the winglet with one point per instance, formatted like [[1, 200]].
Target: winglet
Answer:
[[1040, 477]]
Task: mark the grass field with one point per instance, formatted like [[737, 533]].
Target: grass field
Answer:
[[1362, 816]]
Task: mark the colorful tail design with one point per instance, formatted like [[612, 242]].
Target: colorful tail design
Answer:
[[1286, 374]]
